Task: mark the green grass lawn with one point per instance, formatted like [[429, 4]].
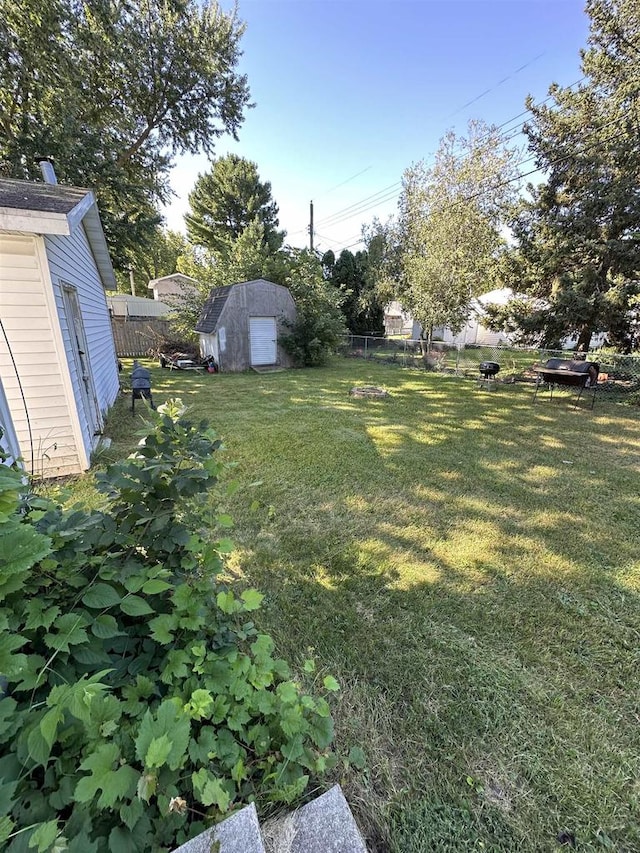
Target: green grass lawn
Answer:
[[467, 565]]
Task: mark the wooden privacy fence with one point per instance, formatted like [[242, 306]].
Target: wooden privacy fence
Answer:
[[136, 337]]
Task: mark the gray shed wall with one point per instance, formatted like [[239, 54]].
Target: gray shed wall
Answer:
[[252, 299]]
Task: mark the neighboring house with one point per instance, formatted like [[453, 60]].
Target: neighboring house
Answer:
[[397, 321], [240, 324], [473, 333], [57, 358], [175, 284], [125, 307]]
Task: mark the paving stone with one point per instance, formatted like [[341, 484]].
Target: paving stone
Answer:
[[325, 825], [239, 833]]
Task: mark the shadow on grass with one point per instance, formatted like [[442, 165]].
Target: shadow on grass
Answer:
[[463, 562]]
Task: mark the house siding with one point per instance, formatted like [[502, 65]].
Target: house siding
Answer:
[[28, 323], [71, 263]]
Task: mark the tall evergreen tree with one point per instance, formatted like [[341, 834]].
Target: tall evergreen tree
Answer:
[[578, 256], [349, 273], [227, 200]]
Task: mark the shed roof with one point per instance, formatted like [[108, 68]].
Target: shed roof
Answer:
[[217, 300], [37, 207], [212, 309]]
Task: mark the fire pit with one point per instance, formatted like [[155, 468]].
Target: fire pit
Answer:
[[368, 391], [488, 370]]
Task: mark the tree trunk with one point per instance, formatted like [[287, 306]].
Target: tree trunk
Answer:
[[584, 339]]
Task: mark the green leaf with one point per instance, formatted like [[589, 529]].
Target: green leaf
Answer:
[[147, 785], [288, 692], [38, 616], [105, 627], [26, 546], [6, 828], [49, 725], [293, 749], [8, 645], [100, 596], [133, 605], [170, 721], [252, 599], [309, 665], [227, 602], [330, 683], [155, 585], [114, 784], [130, 813], [200, 705], [357, 758], [44, 836], [158, 751], [162, 628], [321, 731], [38, 747], [69, 631], [209, 790]]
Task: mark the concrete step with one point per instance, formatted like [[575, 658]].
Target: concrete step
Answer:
[[325, 825], [239, 833]]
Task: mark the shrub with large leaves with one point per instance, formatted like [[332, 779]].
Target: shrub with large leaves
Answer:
[[139, 702]]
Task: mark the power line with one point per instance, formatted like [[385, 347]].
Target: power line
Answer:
[[499, 83], [521, 176], [529, 159], [340, 215], [575, 152], [358, 203], [337, 186]]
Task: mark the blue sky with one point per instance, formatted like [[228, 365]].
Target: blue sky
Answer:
[[352, 92]]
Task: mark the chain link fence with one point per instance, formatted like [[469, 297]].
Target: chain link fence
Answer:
[[619, 374]]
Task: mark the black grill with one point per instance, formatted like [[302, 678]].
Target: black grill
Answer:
[[488, 369]]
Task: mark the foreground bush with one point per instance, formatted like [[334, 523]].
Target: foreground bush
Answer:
[[138, 701]]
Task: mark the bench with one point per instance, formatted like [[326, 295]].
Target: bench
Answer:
[[573, 373]]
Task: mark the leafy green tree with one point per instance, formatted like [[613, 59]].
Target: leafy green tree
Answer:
[[112, 91], [363, 311], [320, 322], [449, 225], [226, 200], [383, 249], [578, 256]]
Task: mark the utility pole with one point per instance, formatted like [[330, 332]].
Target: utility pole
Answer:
[[311, 226], [132, 282]]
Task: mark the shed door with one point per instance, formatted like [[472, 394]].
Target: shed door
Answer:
[[263, 337]]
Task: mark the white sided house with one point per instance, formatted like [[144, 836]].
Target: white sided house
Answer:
[[397, 321], [175, 284], [57, 359], [241, 324]]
